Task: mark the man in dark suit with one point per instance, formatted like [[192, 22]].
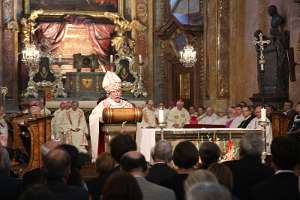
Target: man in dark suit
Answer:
[[284, 184], [248, 116], [162, 156], [248, 170], [57, 167], [134, 163], [10, 188]]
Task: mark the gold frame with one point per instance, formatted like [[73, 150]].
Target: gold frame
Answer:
[[121, 8]]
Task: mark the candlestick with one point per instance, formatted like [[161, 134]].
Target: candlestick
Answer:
[[263, 114]]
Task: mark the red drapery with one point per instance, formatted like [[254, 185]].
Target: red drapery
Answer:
[[50, 35]]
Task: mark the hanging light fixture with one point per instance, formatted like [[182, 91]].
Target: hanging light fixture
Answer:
[[188, 56], [30, 54]]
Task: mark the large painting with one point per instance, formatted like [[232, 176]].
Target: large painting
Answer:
[[76, 5]]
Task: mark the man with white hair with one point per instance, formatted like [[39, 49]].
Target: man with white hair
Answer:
[[248, 170], [208, 191], [178, 116], [162, 156], [112, 85], [210, 116]]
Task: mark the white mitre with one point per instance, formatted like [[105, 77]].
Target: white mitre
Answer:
[[111, 82]]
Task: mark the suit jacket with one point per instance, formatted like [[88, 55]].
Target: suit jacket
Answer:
[[10, 188], [176, 183], [247, 172], [66, 192], [95, 185], [153, 191], [282, 186], [160, 172]]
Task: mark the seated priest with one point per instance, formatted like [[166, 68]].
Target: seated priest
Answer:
[[178, 116], [149, 120], [112, 85]]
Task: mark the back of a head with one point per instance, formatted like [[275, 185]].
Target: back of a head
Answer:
[[37, 192], [121, 144], [133, 161], [185, 155], [208, 191], [4, 162], [104, 163], [285, 153], [73, 153], [57, 164], [251, 144], [209, 153], [162, 151], [121, 186], [223, 174], [199, 176]]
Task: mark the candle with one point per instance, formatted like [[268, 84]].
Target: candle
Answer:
[[262, 67], [59, 58], [111, 58], [161, 115], [263, 114], [140, 58]]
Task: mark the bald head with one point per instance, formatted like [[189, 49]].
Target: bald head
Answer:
[[133, 161]]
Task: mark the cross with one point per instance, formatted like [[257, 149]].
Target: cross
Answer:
[[261, 42]]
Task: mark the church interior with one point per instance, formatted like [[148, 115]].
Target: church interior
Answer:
[[168, 91]]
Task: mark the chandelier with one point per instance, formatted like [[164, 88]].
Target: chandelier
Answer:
[[188, 56], [31, 55]]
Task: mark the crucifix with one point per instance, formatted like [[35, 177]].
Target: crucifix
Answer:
[[260, 42]]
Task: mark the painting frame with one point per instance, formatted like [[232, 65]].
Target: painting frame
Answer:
[[29, 8]]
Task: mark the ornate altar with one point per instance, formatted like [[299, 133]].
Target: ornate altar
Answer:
[[29, 133], [102, 30], [84, 85]]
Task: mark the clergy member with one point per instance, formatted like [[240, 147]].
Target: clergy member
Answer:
[[210, 116], [254, 124], [76, 128], [3, 129], [112, 85], [56, 121], [238, 119], [223, 118], [149, 120], [178, 116]]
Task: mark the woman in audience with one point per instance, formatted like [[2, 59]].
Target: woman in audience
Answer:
[[104, 166], [209, 153], [121, 186], [185, 158]]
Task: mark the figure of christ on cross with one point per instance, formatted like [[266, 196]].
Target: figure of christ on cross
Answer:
[[261, 43]]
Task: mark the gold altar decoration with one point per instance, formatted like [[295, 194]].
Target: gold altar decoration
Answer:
[[122, 115]]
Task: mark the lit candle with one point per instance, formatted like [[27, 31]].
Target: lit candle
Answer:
[[111, 58], [262, 67], [161, 115], [263, 114], [59, 58], [140, 58]]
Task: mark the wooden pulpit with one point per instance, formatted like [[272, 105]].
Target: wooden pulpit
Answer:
[[29, 133], [280, 124]]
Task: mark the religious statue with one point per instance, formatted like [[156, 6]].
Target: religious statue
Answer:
[[275, 62], [44, 73]]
